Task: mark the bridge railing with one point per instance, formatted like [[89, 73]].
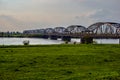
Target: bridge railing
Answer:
[[85, 34]]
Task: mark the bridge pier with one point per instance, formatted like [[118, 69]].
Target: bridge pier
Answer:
[[86, 40], [66, 38], [119, 40], [53, 37], [45, 36]]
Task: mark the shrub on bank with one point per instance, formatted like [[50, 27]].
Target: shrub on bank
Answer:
[[26, 42]]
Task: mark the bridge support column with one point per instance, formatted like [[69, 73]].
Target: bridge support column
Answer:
[[66, 38], [86, 40], [45, 36], [53, 37], [119, 40]]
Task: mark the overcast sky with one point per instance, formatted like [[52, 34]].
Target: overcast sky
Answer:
[[19, 15]]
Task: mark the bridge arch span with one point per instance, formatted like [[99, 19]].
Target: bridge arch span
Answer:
[[59, 29], [49, 30], [76, 29], [105, 28]]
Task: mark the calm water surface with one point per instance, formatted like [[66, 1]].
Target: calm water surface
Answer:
[[33, 41], [37, 41], [102, 41]]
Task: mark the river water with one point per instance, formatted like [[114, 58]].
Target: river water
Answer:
[[40, 41]]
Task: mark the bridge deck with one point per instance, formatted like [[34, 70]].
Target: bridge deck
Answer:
[[80, 35]]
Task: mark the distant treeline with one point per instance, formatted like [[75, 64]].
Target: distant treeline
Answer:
[[19, 34], [10, 34]]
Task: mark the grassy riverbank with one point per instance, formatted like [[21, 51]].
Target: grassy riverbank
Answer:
[[60, 62]]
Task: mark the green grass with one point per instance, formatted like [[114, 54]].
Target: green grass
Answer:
[[60, 62]]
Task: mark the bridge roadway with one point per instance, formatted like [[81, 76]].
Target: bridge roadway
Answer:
[[85, 37], [81, 35]]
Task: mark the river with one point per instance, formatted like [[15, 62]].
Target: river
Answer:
[[40, 41]]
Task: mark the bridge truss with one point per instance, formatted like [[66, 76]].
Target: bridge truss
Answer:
[[105, 28]]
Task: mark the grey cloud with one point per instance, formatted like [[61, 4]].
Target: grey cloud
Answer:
[[0, 4], [8, 18], [59, 12], [104, 15], [104, 10], [104, 4], [100, 14], [9, 23]]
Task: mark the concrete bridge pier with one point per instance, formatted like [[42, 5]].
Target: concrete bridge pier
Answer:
[[66, 38], [86, 40], [45, 36], [53, 37], [119, 40]]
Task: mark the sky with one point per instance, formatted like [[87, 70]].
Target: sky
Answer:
[[19, 15]]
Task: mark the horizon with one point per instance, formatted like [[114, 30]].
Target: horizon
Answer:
[[19, 15]]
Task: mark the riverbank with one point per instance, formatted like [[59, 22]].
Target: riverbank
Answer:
[[60, 62]]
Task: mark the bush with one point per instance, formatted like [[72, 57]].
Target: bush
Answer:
[[95, 42], [87, 40], [75, 42], [66, 42], [26, 42]]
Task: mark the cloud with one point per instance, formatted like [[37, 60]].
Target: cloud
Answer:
[[104, 15], [30, 14], [10, 23], [0, 4], [100, 13]]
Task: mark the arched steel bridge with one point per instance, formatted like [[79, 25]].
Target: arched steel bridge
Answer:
[[96, 30], [105, 28]]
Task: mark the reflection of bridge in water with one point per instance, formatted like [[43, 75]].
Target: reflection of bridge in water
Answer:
[[97, 30]]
